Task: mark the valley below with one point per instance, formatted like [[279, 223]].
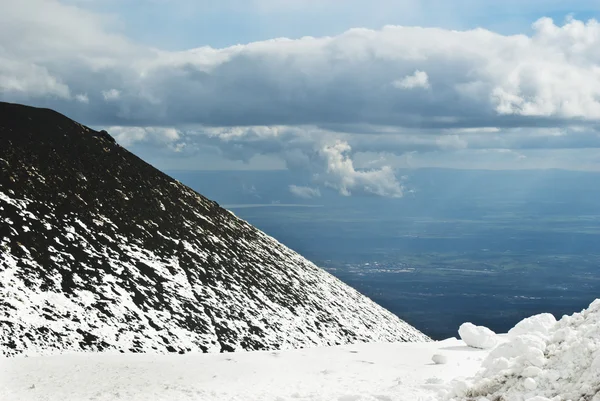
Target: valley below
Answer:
[[488, 247]]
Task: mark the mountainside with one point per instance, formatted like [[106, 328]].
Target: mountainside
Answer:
[[99, 250]]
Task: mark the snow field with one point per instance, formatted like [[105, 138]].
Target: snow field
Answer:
[[541, 359], [360, 372]]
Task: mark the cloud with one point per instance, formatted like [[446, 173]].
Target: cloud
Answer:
[[451, 142], [20, 77], [82, 98], [332, 106], [250, 190], [110, 95], [475, 78], [305, 192], [300, 148], [419, 79], [127, 136], [341, 175], [320, 154]]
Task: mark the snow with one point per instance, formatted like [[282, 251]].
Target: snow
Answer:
[[542, 358], [558, 362], [540, 324], [477, 336], [267, 297], [360, 372], [529, 384]]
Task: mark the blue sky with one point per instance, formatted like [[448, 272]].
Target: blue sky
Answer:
[[342, 92], [183, 24]]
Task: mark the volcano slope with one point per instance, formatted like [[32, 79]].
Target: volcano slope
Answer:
[[101, 251]]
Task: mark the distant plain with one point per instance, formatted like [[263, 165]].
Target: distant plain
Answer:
[[490, 247]]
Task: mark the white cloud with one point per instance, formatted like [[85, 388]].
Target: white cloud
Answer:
[[284, 98], [419, 79], [110, 95], [341, 175], [475, 78], [127, 136], [305, 192], [320, 153], [44, 30], [24, 78], [82, 98], [300, 149], [254, 133]]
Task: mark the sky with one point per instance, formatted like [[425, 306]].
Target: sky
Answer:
[[344, 92]]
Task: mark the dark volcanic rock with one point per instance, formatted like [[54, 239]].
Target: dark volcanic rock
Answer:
[[99, 250]]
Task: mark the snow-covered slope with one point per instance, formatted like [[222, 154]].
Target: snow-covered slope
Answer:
[[539, 360], [101, 251]]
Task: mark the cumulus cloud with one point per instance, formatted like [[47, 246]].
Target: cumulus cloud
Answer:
[[20, 77], [322, 155], [419, 79], [302, 149], [476, 77], [313, 103], [305, 192], [341, 175]]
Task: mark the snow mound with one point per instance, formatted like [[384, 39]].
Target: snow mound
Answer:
[[542, 361], [540, 324], [477, 336]]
